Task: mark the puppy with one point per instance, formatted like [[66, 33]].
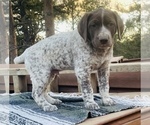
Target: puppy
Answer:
[[88, 48]]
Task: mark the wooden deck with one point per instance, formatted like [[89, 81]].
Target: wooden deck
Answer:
[[123, 75], [136, 116], [126, 75]]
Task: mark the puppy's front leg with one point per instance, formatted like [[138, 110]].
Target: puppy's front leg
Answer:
[[103, 83], [83, 77]]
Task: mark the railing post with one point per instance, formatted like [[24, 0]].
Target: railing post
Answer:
[[6, 80], [20, 84]]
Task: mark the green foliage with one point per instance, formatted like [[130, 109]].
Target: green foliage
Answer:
[[145, 30], [28, 21], [90, 5], [73, 11], [145, 46], [129, 47]]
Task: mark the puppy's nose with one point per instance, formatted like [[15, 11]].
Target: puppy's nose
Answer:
[[103, 38], [103, 41]]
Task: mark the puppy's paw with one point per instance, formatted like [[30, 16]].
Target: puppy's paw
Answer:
[[108, 101], [45, 105], [57, 101], [91, 105], [52, 100], [49, 107]]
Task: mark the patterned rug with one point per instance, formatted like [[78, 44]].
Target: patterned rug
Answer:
[[20, 109]]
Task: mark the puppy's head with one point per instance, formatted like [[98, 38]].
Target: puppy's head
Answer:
[[98, 28]]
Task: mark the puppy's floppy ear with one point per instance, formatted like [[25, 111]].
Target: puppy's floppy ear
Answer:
[[83, 26], [120, 25]]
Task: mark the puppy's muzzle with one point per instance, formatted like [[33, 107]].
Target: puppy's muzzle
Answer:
[[104, 39]]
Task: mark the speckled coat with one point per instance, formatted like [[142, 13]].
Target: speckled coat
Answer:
[[72, 50]]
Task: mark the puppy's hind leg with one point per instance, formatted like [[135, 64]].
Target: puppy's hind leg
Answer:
[[47, 96], [40, 79]]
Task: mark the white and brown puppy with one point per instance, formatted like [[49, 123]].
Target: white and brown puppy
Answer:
[[88, 48]]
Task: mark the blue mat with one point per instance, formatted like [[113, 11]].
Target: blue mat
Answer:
[[22, 110]]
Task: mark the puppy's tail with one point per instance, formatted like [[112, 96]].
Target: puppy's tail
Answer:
[[20, 59]]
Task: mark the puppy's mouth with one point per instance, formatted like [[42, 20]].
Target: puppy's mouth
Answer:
[[102, 45]]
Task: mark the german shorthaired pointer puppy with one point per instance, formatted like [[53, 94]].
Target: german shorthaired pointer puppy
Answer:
[[88, 48]]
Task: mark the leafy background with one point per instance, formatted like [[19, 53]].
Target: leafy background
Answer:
[[29, 23]]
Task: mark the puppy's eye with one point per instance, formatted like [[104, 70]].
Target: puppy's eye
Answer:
[[111, 24], [94, 25]]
